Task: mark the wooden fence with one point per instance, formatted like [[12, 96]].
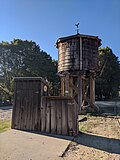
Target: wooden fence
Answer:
[[59, 115], [34, 112]]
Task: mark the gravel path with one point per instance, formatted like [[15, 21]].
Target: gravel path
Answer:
[[5, 113]]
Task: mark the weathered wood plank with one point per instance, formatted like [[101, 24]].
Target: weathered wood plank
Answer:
[[19, 110], [37, 124], [67, 85], [35, 105], [14, 107], [28, 109], [36, 101], [43, 114], [71, 118], [64, 118], [76, 118], [62, 86], [33, 110], [22, 115], [80, 91], [25, 110], [59, 116], [53, 117], [39, 108], [71, 89], [48, 116]]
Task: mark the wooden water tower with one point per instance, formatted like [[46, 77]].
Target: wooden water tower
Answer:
[[77, 65]]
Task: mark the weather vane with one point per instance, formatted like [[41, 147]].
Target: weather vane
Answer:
[[77, 25]]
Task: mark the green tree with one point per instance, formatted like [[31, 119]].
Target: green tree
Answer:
[[24, 59], [108, 81]]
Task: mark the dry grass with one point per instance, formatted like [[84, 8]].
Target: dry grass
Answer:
[[5, 125], [88, 125], [104, 126]]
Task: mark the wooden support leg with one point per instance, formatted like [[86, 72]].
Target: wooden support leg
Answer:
[[67, 85], [62, 86], [79, 92], [83, 92], [71, 88], [92, 90]]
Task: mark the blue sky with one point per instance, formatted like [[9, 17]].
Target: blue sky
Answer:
[[44, 21]]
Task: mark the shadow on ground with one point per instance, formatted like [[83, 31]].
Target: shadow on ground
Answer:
[[102, 143], [71, 138]]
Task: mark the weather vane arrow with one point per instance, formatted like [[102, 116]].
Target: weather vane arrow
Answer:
[[77, 26]]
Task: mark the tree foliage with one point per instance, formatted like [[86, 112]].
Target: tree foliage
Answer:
[[24, 59], [108, 81]]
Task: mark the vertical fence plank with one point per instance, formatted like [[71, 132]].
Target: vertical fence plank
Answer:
[[71, 118], [36, 87], [22, 112], [14, 106], [48, 116], [53, 117], [74, 117], [43, 114], [64, 118], [19, 110], [28, 110], [25, 111], [39, 108], [59, 116], [33, 108], [36, 111]]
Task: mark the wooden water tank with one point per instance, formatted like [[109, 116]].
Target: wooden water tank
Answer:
[[77, 52]]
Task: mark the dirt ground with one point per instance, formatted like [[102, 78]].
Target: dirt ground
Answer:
[[99, 140]]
